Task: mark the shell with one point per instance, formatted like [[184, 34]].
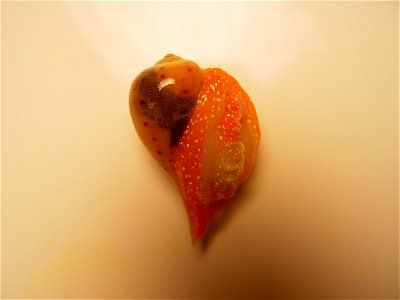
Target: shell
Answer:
[[202, 127]]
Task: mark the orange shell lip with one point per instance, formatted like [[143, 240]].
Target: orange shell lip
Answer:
[[218, 149]]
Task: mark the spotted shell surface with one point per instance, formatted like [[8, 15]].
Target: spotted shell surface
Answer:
[[202, 127]]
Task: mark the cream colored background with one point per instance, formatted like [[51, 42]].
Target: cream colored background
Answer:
[[87, 213]]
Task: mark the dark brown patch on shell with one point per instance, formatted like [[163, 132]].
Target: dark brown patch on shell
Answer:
[[163, 106]]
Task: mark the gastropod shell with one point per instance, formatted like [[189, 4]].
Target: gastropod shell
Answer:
[[202, 127]]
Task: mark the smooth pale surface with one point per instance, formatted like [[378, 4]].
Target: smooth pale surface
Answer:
[[86, 212]]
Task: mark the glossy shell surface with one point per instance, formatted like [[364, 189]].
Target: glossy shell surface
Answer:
[[202, 127]]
